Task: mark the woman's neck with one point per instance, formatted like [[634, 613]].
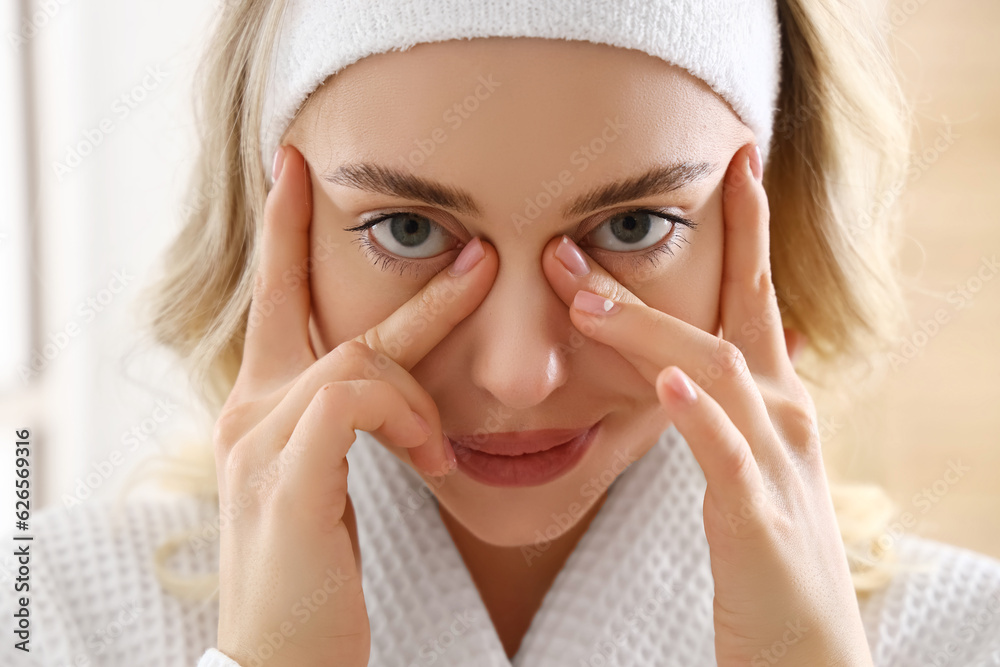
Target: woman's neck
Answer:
[[511, 586]]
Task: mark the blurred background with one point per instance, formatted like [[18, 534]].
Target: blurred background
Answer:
[[96, 121]]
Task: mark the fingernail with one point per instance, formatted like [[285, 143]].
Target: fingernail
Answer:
[[756, 164], [594, 304], [572, 257], [468, 258], [449, 452], [682, 387], [422, 424], [279, 161]]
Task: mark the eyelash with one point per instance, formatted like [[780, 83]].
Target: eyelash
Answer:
[[651, 255]]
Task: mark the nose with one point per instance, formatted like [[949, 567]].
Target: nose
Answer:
[[522, 329]]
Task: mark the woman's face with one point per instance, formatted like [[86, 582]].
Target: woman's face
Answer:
[[526, 127]]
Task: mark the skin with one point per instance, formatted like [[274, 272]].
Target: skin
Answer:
[[752, 429], [530, 126]]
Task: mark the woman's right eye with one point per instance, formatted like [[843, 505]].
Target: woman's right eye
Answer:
[[407, 235]]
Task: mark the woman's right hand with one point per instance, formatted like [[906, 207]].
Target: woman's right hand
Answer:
[[289, 575]]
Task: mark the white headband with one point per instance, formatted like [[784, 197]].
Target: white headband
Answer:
[[732, 45]]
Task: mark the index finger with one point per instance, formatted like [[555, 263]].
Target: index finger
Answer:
[[277, 338], [416, 327]]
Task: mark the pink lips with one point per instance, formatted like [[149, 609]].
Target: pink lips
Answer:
[[518, 442], [525, 458]]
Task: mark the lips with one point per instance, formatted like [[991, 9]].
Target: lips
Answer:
[[517, 443], [525, 458]]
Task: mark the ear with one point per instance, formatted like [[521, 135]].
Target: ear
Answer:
[[795, 342]]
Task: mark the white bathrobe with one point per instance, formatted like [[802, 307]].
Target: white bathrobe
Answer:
[[637, 590]]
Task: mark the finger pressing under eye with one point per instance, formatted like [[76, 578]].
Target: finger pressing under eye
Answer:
[[651, 339], [638, 331]]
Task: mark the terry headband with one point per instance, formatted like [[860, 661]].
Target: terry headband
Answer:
[[734, 46]]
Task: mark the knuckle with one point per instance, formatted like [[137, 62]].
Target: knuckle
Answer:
[[427, 301], [739, 463], [614, 290], [236, 440], [228, 429], [356, 347], [621, 294], [763, 285], [717, 431], [782, 528], [325, 398], [617, 292], [347, 359], [334, 400], [798, 424], [428, 306], [731, 360], [329, 396], [237, 466], [372, 339]]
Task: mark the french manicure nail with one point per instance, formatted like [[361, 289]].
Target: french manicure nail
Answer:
[[279, 161], [594, 304], [571, 257], [682, 387], [468, 258]]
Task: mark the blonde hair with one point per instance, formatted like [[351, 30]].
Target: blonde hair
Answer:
[[841, 141]]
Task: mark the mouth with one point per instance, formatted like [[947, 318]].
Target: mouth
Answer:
[[525, 458]]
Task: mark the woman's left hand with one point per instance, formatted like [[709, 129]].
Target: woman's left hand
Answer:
[[782, 585]]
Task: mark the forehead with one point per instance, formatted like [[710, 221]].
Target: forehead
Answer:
[[515, 110]]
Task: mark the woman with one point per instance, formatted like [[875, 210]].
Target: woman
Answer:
[[501, 345]]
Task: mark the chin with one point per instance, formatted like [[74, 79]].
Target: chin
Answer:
[[532, 536]]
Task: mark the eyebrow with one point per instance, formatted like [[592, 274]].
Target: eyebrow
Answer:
[[380, 179]]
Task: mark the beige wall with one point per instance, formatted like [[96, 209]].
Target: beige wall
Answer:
[[942, 406]]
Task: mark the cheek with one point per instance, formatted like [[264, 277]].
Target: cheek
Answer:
[[688, 284], [348, 297]]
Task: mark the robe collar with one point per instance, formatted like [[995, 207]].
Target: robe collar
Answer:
[[636, 590]]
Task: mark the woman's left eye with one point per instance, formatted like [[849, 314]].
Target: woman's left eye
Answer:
[[639, 230]]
